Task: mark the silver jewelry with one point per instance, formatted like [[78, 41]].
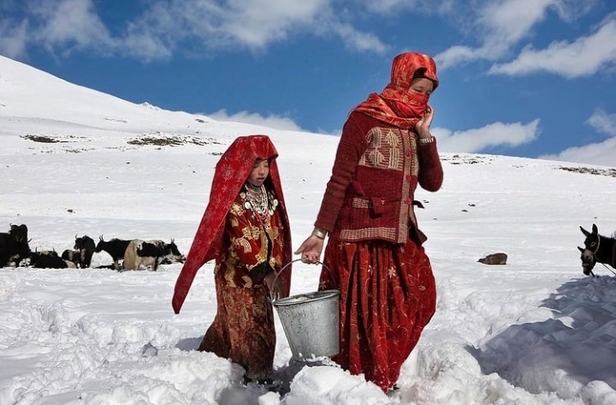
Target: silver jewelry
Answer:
[[319, 233], [262, 203], [425, 141]]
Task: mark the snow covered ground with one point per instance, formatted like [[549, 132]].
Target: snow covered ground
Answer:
[[535, 331]]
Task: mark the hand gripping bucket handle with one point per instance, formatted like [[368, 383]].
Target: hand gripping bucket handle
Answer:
[[309, 321], [274, 291]]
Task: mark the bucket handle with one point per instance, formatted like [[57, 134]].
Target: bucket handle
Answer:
[[274, 292]]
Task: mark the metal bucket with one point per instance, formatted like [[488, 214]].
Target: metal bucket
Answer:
[[310, 322]]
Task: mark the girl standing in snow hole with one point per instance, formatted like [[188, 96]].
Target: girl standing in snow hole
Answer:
[[246, 229]]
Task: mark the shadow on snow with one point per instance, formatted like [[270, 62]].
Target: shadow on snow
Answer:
[[579, 342]]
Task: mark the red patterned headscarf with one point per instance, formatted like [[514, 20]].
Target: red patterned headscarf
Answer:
[[398, 104], [231, 173]]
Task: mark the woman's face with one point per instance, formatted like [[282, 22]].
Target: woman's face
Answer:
[[422, 85], [259, 173]]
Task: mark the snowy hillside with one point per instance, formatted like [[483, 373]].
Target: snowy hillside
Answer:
[[76, 161]]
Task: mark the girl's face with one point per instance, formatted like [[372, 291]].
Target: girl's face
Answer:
[[422, 85], [259, 173]]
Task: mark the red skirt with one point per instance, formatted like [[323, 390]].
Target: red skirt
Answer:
[[243, 329], [387, 296]]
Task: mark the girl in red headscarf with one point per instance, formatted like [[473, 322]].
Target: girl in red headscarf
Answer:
[[374, 254], [246, 229]]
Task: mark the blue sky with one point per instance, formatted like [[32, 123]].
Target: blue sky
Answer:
[[518, 77]]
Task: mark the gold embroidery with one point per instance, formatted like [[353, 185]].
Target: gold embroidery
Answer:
[[384, 149], [251, 232], [351, 235], [413, 153], [394, 151], [261, 256], [405, 205], [242, 243], [236, 209], [360, 203], [273, 233]]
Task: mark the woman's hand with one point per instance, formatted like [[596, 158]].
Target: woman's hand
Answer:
[[310, 249], [423, 126]]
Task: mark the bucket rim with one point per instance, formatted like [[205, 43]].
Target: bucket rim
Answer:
[[309, 297]]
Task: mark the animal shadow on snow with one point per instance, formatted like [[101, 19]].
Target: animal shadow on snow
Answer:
[[579, 341]]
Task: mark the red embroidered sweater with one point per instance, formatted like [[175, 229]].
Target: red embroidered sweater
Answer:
[[375, 174]]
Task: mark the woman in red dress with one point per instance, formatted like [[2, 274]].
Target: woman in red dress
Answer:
[[374, 253], [246, 229]]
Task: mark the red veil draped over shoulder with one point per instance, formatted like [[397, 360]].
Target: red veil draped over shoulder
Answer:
[[231, 173]]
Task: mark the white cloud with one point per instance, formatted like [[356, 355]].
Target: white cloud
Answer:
[[71, 23], [61, 26], [583, 57], [491, 135], [392, 7], [458, 54], [389, 6], [146, 47], [256, 23], [250, 24], [359, 41], [511, 20], [270, 121], [600, 153], [503, 24], [167, 26], [603, 122], [13, 39]]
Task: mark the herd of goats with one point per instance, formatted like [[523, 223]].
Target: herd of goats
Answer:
[[137, 254], [133, 254]]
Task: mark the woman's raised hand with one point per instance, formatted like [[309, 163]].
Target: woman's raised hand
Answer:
[[423, 126]]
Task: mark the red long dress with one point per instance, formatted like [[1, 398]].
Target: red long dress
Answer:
[[387, 296], [243, 329]]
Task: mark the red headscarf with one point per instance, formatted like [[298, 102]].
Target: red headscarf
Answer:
[[398, 104], [231, 173]]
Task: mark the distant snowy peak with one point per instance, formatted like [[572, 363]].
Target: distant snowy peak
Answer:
[[40, 100], [29, 92]]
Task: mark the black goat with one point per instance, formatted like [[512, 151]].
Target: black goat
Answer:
[[115, 247], [48, 259], [86, 247], [12, 250]]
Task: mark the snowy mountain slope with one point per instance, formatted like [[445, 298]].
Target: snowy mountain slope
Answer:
[[75, 161]]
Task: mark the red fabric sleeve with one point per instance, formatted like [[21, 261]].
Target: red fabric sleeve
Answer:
[[430, 169], [350, 149]]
